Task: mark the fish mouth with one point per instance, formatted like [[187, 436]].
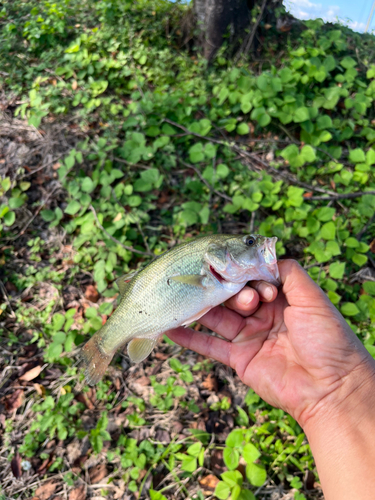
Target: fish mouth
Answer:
[[217, 275]]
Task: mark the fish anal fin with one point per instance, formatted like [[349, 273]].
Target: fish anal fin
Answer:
[[197, 316], [139, 349], [95, 360], [123, 282], [190, 279]]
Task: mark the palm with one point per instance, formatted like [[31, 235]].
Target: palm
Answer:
[[294, 351]]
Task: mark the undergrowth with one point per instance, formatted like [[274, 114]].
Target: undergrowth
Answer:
[[166, 148]]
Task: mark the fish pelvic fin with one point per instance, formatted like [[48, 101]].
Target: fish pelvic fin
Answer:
[[95, 361], [139, 349]]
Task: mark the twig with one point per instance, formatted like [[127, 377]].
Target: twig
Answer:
[[131, 249], [7, 298], [223, 195], [245, 47], [36, 214], [43, 166], [364, 229], [338, 196], [253, 156]]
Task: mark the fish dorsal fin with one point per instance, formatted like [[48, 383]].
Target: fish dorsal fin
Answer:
[[123, 282], [139, 349], [190, 279]]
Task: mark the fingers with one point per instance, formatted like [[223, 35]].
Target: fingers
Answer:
[[223, 321], [204, 344], [244, 302], [266, 291]]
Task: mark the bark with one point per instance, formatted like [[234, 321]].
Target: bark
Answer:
[[217, 18]]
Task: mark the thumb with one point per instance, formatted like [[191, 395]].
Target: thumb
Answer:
[[299, 289]]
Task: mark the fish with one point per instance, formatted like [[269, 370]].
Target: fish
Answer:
[[176, 289]]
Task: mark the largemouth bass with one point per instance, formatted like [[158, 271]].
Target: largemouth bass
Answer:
[[177, 289]]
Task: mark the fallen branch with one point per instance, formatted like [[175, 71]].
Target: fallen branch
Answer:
[[223, 195], [338, 196], [235, 147], [131, 249]]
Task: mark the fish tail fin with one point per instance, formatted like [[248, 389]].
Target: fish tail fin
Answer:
[[95, 361]]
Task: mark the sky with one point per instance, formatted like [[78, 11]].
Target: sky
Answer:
[[353, 13]]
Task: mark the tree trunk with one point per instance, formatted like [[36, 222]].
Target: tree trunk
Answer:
[[217, 19]]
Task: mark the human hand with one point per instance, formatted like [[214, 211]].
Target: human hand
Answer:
[[294, 349]]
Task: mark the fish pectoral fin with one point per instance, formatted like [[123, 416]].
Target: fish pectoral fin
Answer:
[[139, 349], [123, 282], [190, 279]]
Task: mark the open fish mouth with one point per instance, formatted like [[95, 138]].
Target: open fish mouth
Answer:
[[268, 252], [217, 275]]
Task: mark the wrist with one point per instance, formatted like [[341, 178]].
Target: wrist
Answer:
[[341, 434], [348, 404]]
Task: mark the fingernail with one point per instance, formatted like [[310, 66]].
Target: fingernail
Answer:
[[265, 290], [246, 296]]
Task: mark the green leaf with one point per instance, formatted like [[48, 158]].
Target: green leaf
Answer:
[[369, 287], [352, 242], [357, 156], [156, 495], [87, 185], [222, 171], [349, 309], [359, 259], [194, 449], [232, 478], [72, 207], [222, 490], [325, 213], [9, 218], [58, 321], [243, 128], [256, 474], [328, 231], [246, 495], [301, 115], [235, 438], [175, 364], [337, 270], [196, 153], [189, 464], [250, 453], [231, 457]]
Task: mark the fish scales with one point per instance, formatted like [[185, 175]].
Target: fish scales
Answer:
[[176, 289]]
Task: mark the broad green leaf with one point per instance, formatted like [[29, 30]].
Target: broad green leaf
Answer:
[[369, 287], [222, 491], [232, 478], [243, 128], [256, 474], [72, 207], [231, 457], [357, 156], [349, 309], [336, 270], [328, 231], [250, 453]]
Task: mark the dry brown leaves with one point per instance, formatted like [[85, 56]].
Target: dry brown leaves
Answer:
[[210, 383], [209, 483], [78, 493], [31, 374], [45, 490], [372, 246], [14, 400], [91, 293], [97, 473], [15, 465]]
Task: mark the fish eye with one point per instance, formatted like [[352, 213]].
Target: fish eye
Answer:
[[250, 241]]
